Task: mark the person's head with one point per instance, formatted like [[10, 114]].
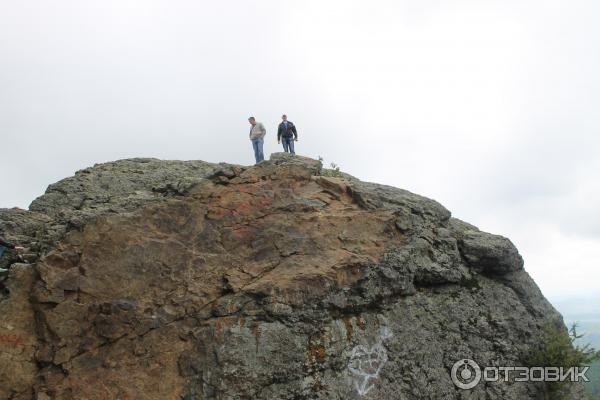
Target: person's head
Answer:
[[252, 121], [284, 117]]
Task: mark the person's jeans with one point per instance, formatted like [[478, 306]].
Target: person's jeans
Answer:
[[288, 144], [2, 250], [257, 145]]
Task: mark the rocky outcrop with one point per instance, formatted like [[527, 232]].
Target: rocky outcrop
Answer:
[[154, 279]]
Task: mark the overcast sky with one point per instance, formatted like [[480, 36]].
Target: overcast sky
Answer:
[[490, 107]]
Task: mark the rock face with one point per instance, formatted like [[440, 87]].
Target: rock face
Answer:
[[160, 280]]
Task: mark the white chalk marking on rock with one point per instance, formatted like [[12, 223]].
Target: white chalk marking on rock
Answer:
[[366, 363]]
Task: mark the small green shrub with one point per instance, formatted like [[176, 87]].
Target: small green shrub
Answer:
[[557, 348], [334, 171]]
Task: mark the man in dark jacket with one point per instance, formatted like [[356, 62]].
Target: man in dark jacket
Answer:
[[287, 133], [4, 245]]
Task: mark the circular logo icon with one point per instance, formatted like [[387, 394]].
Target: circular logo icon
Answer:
[[466, 374]]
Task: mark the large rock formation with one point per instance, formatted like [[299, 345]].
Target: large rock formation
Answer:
[[151, 279]]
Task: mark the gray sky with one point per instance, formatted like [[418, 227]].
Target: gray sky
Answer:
[[490, 107]]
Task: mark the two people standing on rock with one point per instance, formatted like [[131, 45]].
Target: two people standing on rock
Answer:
[[286, 132]]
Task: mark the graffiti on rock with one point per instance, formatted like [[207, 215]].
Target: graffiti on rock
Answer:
[[366, 363]]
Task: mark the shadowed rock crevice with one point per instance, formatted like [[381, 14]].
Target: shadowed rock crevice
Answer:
[[157, 279]]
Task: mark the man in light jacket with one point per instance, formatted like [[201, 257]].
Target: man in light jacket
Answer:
[[257, 134], [287, 134]]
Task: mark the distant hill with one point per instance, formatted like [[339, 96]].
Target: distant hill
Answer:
[[593, 386]]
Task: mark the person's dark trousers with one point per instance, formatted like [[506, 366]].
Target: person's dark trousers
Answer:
[[257, 145], [2, 250], [288, 144]]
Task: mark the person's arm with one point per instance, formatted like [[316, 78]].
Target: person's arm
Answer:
[[295, 132], [6, 244], [264, 130], [279, 129]]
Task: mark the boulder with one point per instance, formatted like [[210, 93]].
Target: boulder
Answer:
[[188, 280]]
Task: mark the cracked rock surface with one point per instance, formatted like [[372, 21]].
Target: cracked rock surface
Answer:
[[151, 279]]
